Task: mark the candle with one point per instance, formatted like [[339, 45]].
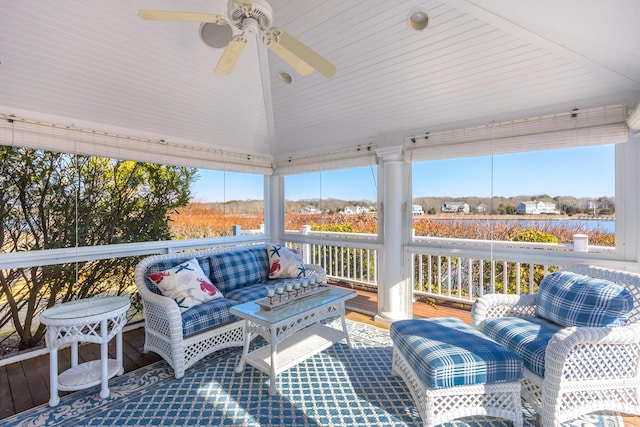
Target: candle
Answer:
[[289, 286], [296, 285], [271, 291], [280, 289]]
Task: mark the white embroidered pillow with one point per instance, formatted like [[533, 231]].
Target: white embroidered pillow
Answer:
[[284, 262], [186, 284]]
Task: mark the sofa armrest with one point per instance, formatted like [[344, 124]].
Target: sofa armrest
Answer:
[[161, 314], [498, 305], [586, 353], [317, 271]]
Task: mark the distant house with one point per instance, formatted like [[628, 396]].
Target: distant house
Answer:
[[481, 208], [417, 210], [536, 208], [455, 207], [593, 205], [354, 210], [310, 210]]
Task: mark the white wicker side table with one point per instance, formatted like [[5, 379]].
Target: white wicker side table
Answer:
[[94, 320], [294, 332]]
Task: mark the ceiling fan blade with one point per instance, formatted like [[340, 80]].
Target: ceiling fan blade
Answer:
[[230, 55], [247, 3], [304, 53], [294, 62], [169, 15]]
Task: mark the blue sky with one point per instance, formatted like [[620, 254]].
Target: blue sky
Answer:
[[219, 186], [578, 172]]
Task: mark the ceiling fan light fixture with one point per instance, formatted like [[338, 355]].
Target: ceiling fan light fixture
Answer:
[[215, 35], [285, 77], [418, 20], [250, 26]]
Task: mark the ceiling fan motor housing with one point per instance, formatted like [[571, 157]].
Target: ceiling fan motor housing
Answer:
[[245, 18]]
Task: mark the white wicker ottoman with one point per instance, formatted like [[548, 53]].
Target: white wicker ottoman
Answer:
[[454, 371]]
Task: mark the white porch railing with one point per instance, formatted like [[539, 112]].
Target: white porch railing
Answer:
[[350, 257], [462, 270], [449, 269], [441, 267]]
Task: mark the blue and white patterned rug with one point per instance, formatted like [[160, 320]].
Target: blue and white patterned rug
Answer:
[[338, 387]]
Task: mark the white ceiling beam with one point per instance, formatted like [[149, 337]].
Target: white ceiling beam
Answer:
[[265, 76]]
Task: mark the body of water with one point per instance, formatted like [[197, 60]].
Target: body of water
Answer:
[[603, 225]]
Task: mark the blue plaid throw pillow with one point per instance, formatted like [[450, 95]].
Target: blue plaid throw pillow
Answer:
[[262, 258], [233, 270], [571, 299]]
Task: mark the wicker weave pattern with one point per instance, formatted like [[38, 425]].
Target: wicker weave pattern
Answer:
[[63, 332], [587, 369], [163, 321], [297, 323], [437, 406]]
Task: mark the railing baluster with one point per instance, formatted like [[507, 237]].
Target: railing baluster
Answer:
[[532, 277], [429, 272], [481, 277], [470, 279], [493, 276], [448, 276], [458, 284]]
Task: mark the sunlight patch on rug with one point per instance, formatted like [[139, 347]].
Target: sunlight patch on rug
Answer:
[[340, 386]]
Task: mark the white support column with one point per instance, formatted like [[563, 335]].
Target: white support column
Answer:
[[394, 293], [274, 206], [627, 205]]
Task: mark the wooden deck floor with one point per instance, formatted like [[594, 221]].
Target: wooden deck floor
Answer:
[[24, 385]]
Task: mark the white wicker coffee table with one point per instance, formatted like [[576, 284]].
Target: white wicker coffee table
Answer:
[[95, 320], [294, 332]]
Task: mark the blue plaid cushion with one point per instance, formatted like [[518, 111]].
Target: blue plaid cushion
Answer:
[[252, 292], [571, 299], [525, 336], [232, 270], [170, 263], [207, 315], [248, 293], [262, 258], [446, 352]]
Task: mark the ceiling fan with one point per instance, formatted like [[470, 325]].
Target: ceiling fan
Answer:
[[252, 17]]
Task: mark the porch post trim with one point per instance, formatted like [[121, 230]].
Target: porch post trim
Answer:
[[394, 294]]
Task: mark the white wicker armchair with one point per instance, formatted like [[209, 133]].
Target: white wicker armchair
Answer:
[[587, 369]]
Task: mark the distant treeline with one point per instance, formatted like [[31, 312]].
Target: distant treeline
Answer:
[[431, 205]]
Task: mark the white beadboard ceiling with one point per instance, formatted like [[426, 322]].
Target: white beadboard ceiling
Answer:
[[96, 61]]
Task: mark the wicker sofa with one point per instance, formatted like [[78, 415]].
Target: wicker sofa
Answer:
[[183, 337], [579, 337]]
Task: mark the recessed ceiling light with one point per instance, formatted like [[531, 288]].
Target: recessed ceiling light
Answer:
[[285, 77], [418, 19]]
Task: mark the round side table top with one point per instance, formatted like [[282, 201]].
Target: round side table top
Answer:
[[82, 308]]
